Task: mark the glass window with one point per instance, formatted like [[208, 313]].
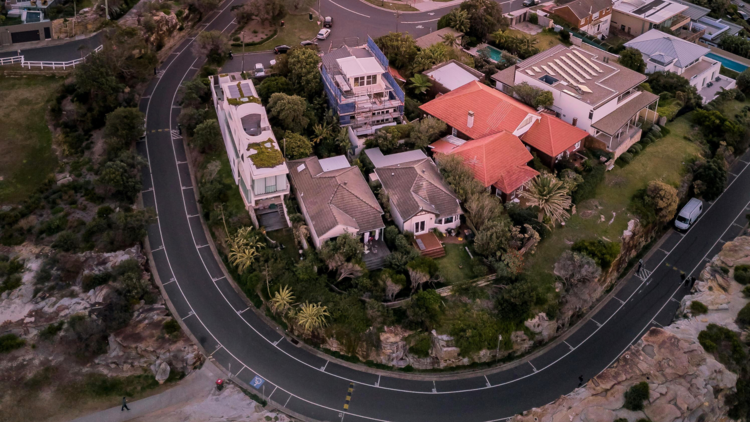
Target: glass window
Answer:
[[359, 81], [372, 79], [271, 184], [260, 186]]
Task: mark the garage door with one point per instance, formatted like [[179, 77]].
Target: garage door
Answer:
[[24, 36]]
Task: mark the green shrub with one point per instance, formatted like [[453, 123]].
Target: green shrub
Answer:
[[625, 158], [9, 342], [742, 274], [171, 327], [746, 291], [635, 396], [421, 345], [51, 330], [591, 180], [11, 282], [604, 253], [665, 130], [66, 241], [698, 308], [91, 281], [724, 342], [635, 149], [743, 317]]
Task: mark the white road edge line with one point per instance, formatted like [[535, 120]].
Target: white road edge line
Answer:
[[349, 10]]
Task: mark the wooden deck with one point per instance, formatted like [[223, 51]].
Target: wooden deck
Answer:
[[429, 245]]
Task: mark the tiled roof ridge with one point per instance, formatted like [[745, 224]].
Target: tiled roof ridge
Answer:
[[359, 198]]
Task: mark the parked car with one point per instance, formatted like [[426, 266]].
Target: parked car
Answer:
[[744, 15], [281, 49], [259, 70], [528, 3], [689, 214], [327, 22], [309, 43], [324, 33]]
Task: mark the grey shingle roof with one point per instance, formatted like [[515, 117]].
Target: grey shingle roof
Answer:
[[665, 47], [694, 12], [417, 186], [329, 59], [612, 122], [335, 197]]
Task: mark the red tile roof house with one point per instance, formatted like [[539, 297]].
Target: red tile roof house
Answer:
[[476, 111], [499, 161]]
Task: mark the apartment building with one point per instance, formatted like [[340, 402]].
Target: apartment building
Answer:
[[258, 166], [666, 53], [360, 89], [635, 17], [591, 93]]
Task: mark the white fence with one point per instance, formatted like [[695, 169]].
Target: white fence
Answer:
[[45, 64]]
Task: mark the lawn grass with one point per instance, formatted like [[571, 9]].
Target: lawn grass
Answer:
[[546, 40], [449, 265], [664, 160], [26, 156], [297, 28], [394, 6]]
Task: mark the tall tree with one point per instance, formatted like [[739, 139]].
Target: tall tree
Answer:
[[212, 45], [296, 146], [419, 84], [290, 111], [458, 19], [399, 48], [632, 59], [312, 316], [426, 131], [304, 74], [485, 17], [282, 300]]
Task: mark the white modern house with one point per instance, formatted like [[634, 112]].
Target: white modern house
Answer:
[[257, 163], [590, 92], [419, 199], [666, 53]]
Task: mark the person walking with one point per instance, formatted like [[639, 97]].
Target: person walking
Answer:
[[124, 405]]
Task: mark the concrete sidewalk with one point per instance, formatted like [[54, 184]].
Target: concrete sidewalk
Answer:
[[197, 385]]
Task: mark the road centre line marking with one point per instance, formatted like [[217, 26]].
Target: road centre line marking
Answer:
[[349, 10]]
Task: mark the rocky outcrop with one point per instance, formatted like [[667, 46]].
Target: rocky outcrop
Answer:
[[686, 383], [542, 327]]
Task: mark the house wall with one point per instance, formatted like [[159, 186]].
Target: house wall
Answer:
[[700, 80], [430, 224], [396, 216], [588, 24], [599, 26], [633, 25], [334, 232], [571, 108]]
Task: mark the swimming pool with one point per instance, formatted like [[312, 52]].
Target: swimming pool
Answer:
[[729, 64], [494, 53]]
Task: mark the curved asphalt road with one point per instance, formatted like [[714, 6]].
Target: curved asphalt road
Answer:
[[314, 387]]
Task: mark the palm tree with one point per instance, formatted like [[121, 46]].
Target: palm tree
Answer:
[[301, 232], [459, 20], [282, 300], [243, 249], [420, 83], [312, 316], [551, 196], [499, 37], [449, 40], [322, 131]]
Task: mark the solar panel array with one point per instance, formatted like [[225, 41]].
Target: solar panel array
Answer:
[[575, 69]]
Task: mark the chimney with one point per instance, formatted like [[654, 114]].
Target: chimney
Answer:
[[470, 121]]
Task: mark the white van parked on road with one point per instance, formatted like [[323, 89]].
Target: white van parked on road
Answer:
[[689, 214]]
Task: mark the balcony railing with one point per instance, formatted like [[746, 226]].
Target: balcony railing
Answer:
[[678, 21]]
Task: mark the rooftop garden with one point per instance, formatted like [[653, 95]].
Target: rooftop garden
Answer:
[[243, 99], [265, 154]]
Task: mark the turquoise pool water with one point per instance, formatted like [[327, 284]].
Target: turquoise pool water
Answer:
[[729, 64], [494, 53]]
